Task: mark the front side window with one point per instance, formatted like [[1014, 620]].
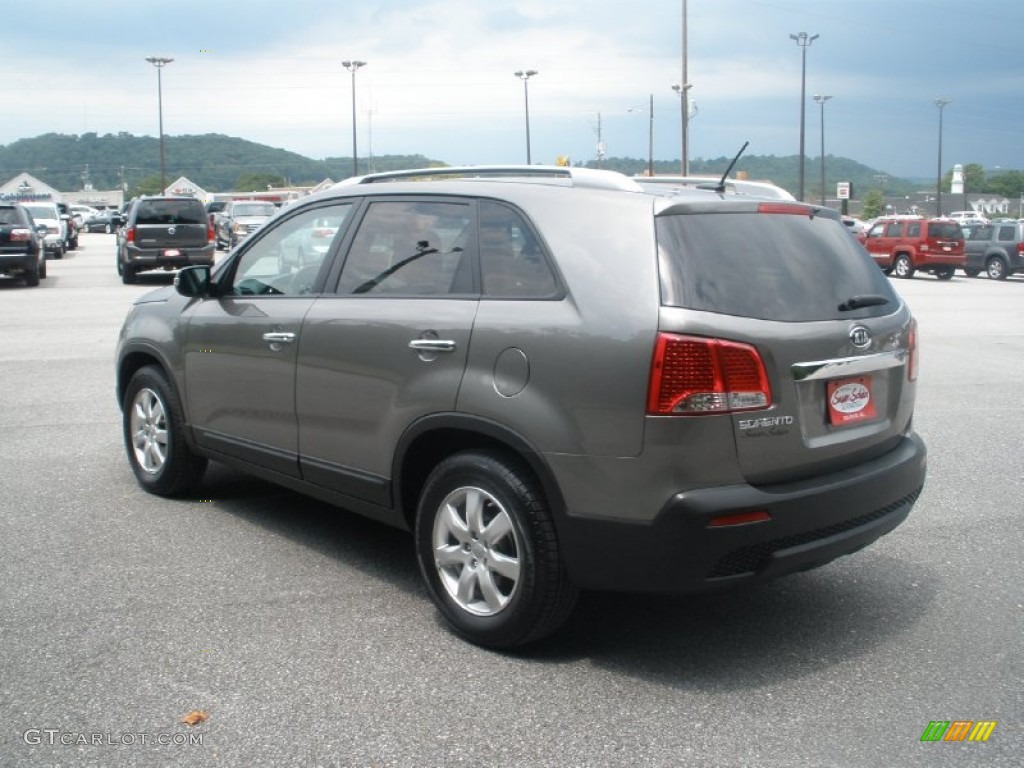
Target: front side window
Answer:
[[409, 248], [287, 258], [893, 229]]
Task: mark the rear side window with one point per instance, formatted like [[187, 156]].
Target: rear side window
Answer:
[[914, 229], [1007, 234], [170, 212], [770, 266], [946, 230], [9, 216]]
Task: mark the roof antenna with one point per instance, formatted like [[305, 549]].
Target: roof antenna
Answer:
[[720, 187]]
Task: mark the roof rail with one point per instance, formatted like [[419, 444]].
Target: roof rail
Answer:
[[577, 177]]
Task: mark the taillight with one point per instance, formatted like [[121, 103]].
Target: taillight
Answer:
[[129, 234], [1020, 249], [210, 234], [20, 235], [692, 375], [913, 360], [791, 208], [324, 232]]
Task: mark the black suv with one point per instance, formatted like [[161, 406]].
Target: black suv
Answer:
[[163, 233], [996, 248], [21, 246]]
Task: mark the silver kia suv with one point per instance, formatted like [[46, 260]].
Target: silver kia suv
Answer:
[[555, 380]]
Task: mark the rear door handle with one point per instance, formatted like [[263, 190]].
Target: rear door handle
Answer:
[[432, 345]]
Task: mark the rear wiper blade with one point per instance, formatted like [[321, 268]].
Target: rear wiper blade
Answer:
[[863, 300]]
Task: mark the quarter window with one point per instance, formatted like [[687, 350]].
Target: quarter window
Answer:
[[512, 263]]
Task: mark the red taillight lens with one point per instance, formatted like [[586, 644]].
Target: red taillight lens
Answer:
[[20, 235], [129, 234], [790, 208], [210, 234], [1020, 249], [912, 362], [323, 232], [692, 376]]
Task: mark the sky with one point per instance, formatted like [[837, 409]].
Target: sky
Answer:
[[438, 79]]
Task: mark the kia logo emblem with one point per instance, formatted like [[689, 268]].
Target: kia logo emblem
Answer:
[[860, 337], [171, 230]]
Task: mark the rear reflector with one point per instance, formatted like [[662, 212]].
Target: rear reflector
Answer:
[[739, 518], [692, 376], [912, 343]]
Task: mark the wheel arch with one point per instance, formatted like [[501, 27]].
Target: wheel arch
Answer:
[[431, 439], [132, 360]]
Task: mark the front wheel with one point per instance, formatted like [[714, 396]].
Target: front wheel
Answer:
[[487, 550], [972, 271], [995, 268], [154, 436], [903, 267]]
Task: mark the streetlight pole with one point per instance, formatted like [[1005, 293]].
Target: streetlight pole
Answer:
[[684, 112], [160, 62], [804, 41], [525, 75], [941, 104], [821, 102], [353, 66]]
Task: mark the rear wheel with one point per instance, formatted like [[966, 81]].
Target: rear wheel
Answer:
[[995, 268], [945, 273], [127, 274], [42, 268], [903, 267], [58, 252], [154, 436], [32, 276], [107, 228], [487, 550]]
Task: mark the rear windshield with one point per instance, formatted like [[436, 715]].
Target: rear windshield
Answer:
[[170, 212], [947, 230], [771, 266], [255, 209]]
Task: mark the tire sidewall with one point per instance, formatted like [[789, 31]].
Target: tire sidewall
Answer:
[[165, 480], [516, 619]]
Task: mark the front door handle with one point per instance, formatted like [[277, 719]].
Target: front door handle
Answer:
[[279, 337]]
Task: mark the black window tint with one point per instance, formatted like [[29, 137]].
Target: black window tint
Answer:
[[946, 230], [893, 229], [9, 216], [1007, 234], [983, 232], [170, 212], [770, 266], [512, 264], [408, 248], [914, 229]]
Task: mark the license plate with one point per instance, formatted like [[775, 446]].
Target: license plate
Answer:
[[171, 253], [850, 401]]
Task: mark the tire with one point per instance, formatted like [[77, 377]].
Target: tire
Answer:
[[497, 579], [902, 267], [107, 229], [59, 253], [128, 274], [995, 268], [945, 273], [32, 276], [73, 244], [154, 436], [972, 271], [120, 269], [42, 268]]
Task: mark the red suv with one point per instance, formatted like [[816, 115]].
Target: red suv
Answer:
[[905, 245]]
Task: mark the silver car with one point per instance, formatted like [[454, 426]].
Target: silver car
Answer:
[[554, 380]]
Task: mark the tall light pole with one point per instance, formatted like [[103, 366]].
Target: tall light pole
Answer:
[[684, 107], [160, 62], [650, 134], [941, 104], [353, 66], [525, 75], [804, 41], [821, 102], [684, 113]]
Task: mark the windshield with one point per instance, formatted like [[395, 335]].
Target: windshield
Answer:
[[766, 265], [41, 211]]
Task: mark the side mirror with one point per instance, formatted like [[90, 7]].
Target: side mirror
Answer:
[[193, 282], [41, 229]]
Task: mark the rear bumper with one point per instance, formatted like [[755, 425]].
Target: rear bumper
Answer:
[[17, 263], [157, 258], [812, 522]]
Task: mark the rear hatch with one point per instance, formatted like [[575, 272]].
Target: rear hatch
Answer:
[[14, 233], [171, 223], [807, 348], [945, 238]]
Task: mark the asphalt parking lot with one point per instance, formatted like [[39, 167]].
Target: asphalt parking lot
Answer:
[[305, 635]]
